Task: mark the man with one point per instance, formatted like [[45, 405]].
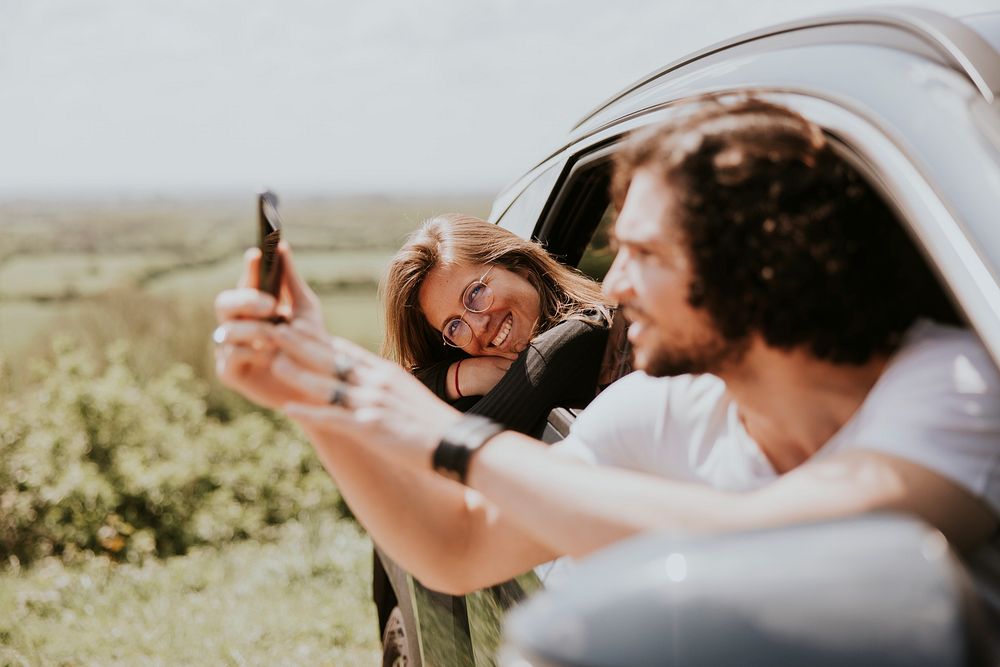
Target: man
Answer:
[[750, 255]]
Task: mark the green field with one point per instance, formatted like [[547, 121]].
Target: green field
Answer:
[[56, 257], [109, 303], [298, 600]]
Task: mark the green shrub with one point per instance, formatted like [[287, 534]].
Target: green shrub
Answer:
[[94, 458], [161, 330]]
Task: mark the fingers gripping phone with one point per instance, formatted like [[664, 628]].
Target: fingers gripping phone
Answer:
[[268, 236]]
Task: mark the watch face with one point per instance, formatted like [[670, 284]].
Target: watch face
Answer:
[[459, 444]]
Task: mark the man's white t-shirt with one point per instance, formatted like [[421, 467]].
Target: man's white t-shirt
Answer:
[[937, 404]]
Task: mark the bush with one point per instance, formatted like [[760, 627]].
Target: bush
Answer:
[[161, 331], [94, 458]]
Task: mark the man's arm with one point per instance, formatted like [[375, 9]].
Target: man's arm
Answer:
[[447, 535], [569, 507], [577, 508]]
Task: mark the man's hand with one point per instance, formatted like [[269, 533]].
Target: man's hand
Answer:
[[377, 402], [477, 375], [244, 338]]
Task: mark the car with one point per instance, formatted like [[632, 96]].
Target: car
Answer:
[[907, 95], [872, 590]]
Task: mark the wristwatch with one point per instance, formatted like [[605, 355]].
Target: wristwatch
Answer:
[[460, 443]]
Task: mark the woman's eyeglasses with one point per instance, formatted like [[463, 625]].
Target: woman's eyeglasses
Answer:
[[476, 298]]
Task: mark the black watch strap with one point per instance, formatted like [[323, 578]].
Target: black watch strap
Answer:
[[460, 442]]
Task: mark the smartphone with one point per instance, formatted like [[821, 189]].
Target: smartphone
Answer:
[[268, 236]]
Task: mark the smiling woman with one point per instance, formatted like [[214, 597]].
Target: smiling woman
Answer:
[[495, 326], [487, 325], [475, 310]]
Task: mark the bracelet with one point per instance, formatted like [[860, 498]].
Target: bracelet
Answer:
[[468, 435], [458, 364]]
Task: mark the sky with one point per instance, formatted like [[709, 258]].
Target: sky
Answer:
[[317, 96]]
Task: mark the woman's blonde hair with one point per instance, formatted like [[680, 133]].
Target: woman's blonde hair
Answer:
[[455, 239]]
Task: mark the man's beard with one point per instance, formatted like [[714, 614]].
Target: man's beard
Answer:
[[711, 354]]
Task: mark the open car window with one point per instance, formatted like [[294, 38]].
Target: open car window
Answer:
[[599, 254]]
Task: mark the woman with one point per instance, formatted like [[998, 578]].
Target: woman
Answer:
[[495, 326], [492, 323]]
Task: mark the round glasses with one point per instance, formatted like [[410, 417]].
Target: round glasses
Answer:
[[476, 298]]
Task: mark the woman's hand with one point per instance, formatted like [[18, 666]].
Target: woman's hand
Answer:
[[376, 402], [244, 338], [477, 375]]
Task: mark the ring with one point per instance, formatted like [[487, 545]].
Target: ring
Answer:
[[219, 335], [339, 396], [342, 366]]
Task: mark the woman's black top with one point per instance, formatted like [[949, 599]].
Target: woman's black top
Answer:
[[559, 368]]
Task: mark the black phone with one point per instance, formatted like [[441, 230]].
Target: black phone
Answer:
[[268, 236]]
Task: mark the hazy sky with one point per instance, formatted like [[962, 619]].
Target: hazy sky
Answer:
[[117, 96]]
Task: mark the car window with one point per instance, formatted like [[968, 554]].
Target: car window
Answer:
[[522, 214], [578, 206], [599, 254]]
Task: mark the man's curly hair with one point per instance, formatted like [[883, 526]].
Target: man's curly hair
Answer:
[[786, 239]]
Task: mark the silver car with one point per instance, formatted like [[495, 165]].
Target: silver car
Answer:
[[910, 98]]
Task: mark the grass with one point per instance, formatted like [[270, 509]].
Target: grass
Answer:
[[302, 598], [84, 273]]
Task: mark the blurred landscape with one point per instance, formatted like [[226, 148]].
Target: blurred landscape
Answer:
[[147, 515]]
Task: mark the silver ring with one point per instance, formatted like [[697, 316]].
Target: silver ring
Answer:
[[339, 396], [219, 335], [342, 367]]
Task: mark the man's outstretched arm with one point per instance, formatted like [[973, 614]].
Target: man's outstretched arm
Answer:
[[567, 506], [447, 535], [577, 508], [450, 537]]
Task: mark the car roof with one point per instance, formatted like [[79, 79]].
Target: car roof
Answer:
[[930, 33], [987, 24], [923, 72], [967, 45]]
